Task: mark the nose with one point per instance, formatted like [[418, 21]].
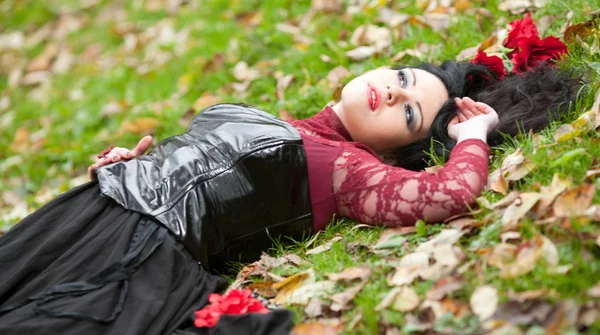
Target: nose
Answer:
[[396, 93]]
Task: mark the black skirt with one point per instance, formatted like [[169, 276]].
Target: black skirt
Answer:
[[82, 264]]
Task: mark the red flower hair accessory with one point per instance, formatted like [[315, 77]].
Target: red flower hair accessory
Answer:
[[528, 50], [233, 302]]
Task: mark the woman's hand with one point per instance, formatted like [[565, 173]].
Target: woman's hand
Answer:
[[473, 120], [118, 154]]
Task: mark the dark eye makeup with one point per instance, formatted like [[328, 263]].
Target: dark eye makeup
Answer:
[[410, 114]]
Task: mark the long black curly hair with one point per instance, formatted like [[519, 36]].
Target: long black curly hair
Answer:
[[523, 102]]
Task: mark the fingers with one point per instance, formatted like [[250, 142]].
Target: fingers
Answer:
[[92, 171], [142, 146]]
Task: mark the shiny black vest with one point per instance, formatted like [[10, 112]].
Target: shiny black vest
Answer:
[[235, 179]]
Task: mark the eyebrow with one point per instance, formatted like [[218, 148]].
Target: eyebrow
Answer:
[[418, 103]]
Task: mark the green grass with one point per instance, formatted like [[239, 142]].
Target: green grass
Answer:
[[64, 134]]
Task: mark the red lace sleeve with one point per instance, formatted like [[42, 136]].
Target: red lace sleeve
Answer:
[[372, 192]]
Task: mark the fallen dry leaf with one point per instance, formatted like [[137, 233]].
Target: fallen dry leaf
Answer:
[[337, 75], [379, 38], [501, 255], [439, 22], [519, 208], [529, 254], [443, 287], [314, 308], [484, 302], [498, 183], [358, 272], [515, 166], [315, 327], [206, 99], [580, 31], [574, 201], [586, 122], [341, 300], [143, 125], [594, 291], [406, 299], [282, 83], [518, 313], [285, 287], [324, 247], [515, 6], [265, 289], [361, 53]]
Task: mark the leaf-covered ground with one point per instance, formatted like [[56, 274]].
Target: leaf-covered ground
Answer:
[[78, 75]]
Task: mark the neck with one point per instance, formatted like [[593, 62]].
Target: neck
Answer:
[[339, 111]]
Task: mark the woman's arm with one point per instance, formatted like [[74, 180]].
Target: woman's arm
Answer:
[[118, 154], [372, 192]]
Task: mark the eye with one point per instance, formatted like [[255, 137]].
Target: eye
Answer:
[[410, 115], [402, 78]]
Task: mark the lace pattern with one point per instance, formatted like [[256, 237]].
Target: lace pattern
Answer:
[[372, 192]]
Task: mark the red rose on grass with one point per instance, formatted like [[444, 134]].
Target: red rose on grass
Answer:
[[532, 52], [520, 29], [494, 63], [234, 302]]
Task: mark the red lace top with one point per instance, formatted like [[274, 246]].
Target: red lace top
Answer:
[[347, 178]]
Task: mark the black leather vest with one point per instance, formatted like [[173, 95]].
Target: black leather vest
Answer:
[[236, 178]]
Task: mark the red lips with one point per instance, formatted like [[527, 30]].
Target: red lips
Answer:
[[373, 97]]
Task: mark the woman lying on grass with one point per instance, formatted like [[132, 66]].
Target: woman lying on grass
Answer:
[[129, 253]]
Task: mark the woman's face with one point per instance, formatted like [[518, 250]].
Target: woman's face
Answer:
[[386, 109]]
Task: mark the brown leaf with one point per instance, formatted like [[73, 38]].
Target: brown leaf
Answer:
[[143, 125], [529, 254], [557, 186], [580, 30], [443, 287], [249, 19], [574, 201], [484, 302], [352, 273], [498, 182], [315, 327], [502, 254], [462, 5], [205, 100], [531, 295], [265, 289], [328, 6]]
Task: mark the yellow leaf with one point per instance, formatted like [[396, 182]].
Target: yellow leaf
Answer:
[[184, 82], [462, 5], [285, 287]]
